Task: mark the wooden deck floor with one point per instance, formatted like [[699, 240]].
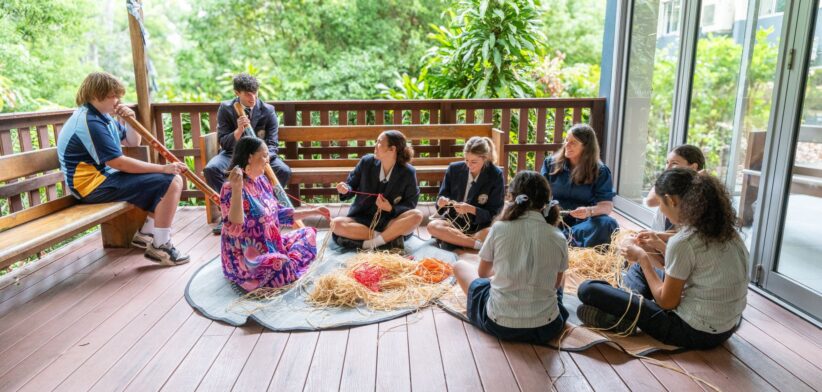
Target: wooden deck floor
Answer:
[[92, 319]]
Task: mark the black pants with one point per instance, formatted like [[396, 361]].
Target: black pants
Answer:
[[215, 170], [663, 325]]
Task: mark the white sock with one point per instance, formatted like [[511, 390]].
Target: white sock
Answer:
[[371, 244], [477, 245], [148, 226], [161, 236]]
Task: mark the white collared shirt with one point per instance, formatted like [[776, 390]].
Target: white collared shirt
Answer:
[[385, 177], [468, 186]]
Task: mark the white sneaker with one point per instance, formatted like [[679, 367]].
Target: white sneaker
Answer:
[[141, 240], [165, 254]]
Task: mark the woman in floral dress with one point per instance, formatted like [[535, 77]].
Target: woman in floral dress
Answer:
[[254, 252]]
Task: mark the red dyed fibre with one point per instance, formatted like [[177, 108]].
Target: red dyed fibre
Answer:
[[369, 276]]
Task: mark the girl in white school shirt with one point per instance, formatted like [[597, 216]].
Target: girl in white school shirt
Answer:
[[526, 254]]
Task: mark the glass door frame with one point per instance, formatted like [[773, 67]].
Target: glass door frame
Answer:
[[783, 131], [689, 31], [780, 146]]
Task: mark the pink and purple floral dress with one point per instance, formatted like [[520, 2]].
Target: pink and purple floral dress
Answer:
[[255, 254]]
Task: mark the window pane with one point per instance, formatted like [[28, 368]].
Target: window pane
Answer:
[[652, 63], [714, 85], [799, 254]]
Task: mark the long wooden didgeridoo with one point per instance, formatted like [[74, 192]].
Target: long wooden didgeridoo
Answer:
[[279, 191], [155, 144]]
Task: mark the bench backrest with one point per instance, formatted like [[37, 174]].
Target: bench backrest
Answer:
[[434, 144], [29, 172], [26, 173]]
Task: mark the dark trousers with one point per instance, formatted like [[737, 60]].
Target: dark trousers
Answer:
[[663, 325], [215, 170]]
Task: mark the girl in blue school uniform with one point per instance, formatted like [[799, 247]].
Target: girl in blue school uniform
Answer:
[[471, 195], [582, 184], [527, 255], [383, 183]]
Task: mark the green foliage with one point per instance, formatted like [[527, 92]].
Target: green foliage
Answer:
[[575, 28], [486, 51]]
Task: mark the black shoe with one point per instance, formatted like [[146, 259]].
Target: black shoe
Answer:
[[165, 254], [446, 246], [395, 244], [218, 229], [347, 242], [594, 317]]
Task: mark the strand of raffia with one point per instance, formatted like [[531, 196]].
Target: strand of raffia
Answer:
[[257, 299]]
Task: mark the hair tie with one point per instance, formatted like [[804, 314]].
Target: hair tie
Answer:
[[553, 202], [521, 199], [547, 210]]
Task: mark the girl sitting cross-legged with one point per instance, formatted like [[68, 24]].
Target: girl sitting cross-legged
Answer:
[[516, 294], [699, 300], [471, 195], [384, 185]]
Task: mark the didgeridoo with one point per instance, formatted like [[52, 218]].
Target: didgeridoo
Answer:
[[156, 145]]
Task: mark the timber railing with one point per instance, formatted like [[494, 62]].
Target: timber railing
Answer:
[[181, 125]]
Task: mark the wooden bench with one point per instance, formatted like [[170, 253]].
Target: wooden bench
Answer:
[[321, 156], [33, 229], [805, 180]]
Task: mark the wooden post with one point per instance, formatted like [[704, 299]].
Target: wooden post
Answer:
[[138, 55]]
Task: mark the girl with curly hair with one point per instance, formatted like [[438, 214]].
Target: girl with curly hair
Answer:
[[699, 300]]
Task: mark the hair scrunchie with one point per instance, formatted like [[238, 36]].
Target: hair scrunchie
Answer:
[[547, 210], [521, 199]]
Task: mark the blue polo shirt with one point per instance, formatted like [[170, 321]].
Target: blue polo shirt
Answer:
[[572, 196], [87, 141]]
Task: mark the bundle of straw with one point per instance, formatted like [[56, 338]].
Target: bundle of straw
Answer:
[[401, 287], [602, 262]]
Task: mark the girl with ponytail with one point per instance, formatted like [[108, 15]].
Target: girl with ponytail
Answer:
[[527, 255], [471, 195], [385, 192], [699, 300]]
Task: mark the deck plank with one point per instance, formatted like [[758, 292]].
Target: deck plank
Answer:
[[562, 370], [670, 378], [785, 317], [142, 335], [775, 372], [458, 361], [103, 343], [526, 366], [119, 375], [329, 357], [492, 365], [264, 358], [599, 373], [58, 299], [787, 337], [632, 372], [189, 373], [152, 376], [393, 371], [776, 350], [424, 354], [230, 362], [63, 263], [360, 367], [53, 339], [293, 367]]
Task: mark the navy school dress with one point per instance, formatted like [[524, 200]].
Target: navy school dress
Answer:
[[400, 190], [487, 194], [588, 232]]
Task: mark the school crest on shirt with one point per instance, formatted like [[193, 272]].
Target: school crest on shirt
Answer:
[[482, 199], [261, 133], [397, 199]]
